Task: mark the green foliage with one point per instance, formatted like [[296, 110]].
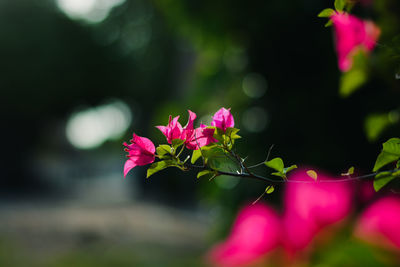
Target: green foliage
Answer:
[[206, 172], [160, 165], [270, 189], [390, 153], [375, 124], [277, 164], [356, 76], [384, 178], [164, 151], [195, 156], [340, 5], [326, 13]]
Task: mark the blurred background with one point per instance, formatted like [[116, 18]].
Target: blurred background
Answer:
[[79, 77]]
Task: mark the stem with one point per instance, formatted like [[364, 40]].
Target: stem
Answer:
[[273, 181]]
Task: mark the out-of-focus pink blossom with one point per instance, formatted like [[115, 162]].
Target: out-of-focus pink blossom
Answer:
[[380, 223], [352, 34], [201, 136], [173, 130], [256, 231], [223, 119], [312, 205], [141, 152]]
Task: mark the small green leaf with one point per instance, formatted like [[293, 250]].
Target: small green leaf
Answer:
[[276, 164], [205, 172], [340, 4], [326, 13], [279, 174], [352, 80], [392, 146], [382, 179], [375, 124], [349, 172], [177, 143], [398, 164], [195, 156], [329, 23], [312, 174], [269, 189], [390, 153], [163, 149], [383, 159], [158, 166], [288, 169], [232, 133]]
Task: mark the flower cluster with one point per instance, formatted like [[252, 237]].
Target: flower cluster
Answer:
[[309, 208], [142, 151]]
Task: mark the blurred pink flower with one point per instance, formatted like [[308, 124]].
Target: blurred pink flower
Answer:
[[380, 223], [141, 152], [311, 206], [223, 119], [173, 130], [255, 232], [351, 34]]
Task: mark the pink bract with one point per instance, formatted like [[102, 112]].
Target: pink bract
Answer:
[[311, 206], [201, 136], [380, 223], [351, 34], [223, 119], [141, 152], [173, 130], [256, 231]]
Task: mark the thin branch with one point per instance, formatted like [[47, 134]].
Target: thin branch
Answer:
[[262, 163]]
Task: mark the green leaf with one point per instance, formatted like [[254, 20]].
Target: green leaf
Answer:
[[276, 164], [163, 149], [312, 174], [205, 172], [195, 156], [158, 166], [329, 23], [340, 4], [351, 80], [392, 146], [382, 179], [269, 189], [390, 153], [232, 133], [326, 13], [383, 159], [177, 143], [218, 133], [288, 169], [375, 124], [398, 164]]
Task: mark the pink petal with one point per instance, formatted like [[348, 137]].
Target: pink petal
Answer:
[[129, 164], [192, 117], [144, 143], [256, 231], [352, 33], [380, 223]]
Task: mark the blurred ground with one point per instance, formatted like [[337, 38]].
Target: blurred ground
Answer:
[[100, 235]]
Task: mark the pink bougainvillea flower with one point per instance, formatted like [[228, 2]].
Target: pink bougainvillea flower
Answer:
[[173, 130], [141, 152], [380, 223], [223, 119], [255, 232], [201, 136], [351, 34], [312, 205]]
